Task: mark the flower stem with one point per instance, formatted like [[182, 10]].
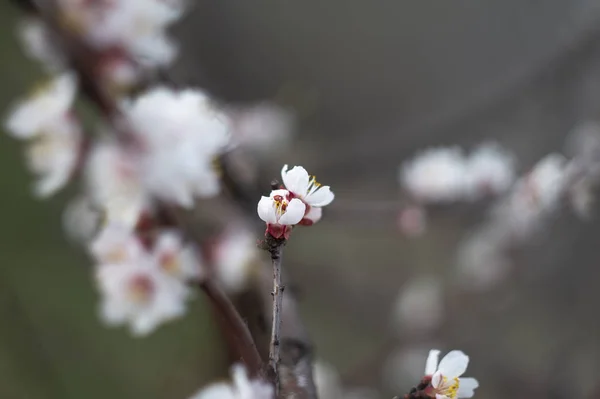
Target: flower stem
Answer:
[[276, 250]]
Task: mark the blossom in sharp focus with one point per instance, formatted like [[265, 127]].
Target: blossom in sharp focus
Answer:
[[139, 294], [241, 387], [116, 244], [180, 135], [445, 376], [490, 171], [114, 183], [301, 185], [176, 258], [55, 136], [281, 211], [436, 175]]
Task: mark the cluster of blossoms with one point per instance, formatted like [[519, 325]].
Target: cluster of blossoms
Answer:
[[298, 201], [446, 175]]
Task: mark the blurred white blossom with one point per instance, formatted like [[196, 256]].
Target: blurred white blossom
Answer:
[[176, 258], [35, 39], [81, 219], [180, 134], [264, 127], [445, 375], [241, 387], [436, 175], [491, 171], [116, 243], [235, 255], [139, 294], [419, 307], [327, 381], [55, 136]]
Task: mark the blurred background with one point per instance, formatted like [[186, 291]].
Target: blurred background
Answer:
[[372, 83]]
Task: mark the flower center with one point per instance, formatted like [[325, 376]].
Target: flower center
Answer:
[[169, 263], [140, 289], [449, 387], [281, 204], [313, 185]]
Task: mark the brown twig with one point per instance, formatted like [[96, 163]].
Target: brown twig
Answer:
[[275, 248], [231, 318]]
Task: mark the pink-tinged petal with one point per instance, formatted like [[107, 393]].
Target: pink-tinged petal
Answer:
[[266, 210], [293, 213], [313, 215], [321, 197], [295, 180], [466, 387], [432, 362], [454, 364], [436, 380]]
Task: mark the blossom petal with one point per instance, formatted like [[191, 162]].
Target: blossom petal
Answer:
[[454, 364], [216, 391], [432, 362], [314, 214], [467, 387], [321, 197], [294, 213], [266, 210], [295, 180], [436, 380]]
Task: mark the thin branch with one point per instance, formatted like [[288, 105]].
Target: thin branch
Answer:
[[226, 310], [276, 251]]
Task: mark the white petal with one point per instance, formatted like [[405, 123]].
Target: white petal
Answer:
[[467, 387], [436, 380], [323, 196], [294, 213], [432, 362], [266, 210], [216, 391], [454, 364], [314, 214], [295, 180]]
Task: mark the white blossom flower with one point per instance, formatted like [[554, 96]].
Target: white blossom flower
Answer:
[[419, 306], [139, 294], [116, 244], [263, 127], [180, 135], [34, 36], [436, 175], [445, 376], [234, 257], [546, 181], [135, 25], [301, 185], [176, 258], [242, 387], [114, 183], [280, 210], [490, 170], [56, 136]]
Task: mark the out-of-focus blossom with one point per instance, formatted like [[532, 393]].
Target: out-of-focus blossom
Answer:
[[234, 257], [280, 210], [546, 182], [116, 244], [306, 188], [327, 381], [582, 198], [445, 376], [138, 26], [490, 171], [412, 220], [81, 219], [262, 128], [419, 306], [436, 175], [114, 183], [176, 258], [55, 135], [139, 294], [34, 36], [241, 387], [180, 135]]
